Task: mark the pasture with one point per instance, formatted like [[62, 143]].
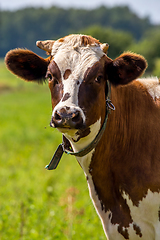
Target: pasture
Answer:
[[36, 204]]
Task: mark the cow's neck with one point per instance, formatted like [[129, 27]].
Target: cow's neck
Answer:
[[121, 154]]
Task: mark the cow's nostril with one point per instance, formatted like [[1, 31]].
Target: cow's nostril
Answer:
[[67, 117], [57, 116], [76, 117]]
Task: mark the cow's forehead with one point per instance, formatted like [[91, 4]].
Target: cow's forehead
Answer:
[[75, 42], [72, 53]]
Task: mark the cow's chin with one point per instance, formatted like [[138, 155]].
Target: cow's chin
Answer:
[[74, 134]]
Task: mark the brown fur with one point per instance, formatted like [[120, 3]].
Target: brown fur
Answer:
[[88, 40], [26, 64], [61, 39], [55, 84], [66, 74], [127, 159], [91, 95], [125, 68]]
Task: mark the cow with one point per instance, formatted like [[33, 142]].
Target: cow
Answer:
[[109, 119]]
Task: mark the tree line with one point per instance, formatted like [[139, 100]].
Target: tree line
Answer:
[[118, 26]]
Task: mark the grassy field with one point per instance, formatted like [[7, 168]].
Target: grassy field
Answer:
[[36, 204]]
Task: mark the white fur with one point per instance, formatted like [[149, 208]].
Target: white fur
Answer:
[[82, 143], [153, 86], [147, 221], [86, 160]]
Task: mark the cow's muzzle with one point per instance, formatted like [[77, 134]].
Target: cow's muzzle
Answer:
[[67, 117]]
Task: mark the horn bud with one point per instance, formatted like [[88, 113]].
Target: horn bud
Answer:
[[45, 45], [104, 47]]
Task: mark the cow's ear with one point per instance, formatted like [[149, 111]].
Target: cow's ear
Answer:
[[27, 65], [126, 68]]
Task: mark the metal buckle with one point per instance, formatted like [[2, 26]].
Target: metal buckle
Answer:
[[110, 105]]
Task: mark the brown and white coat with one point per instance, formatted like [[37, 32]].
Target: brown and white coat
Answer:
[[123, 170]]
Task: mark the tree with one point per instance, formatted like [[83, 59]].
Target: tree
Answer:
[[149, 47], [24, 27], [119, 41], [156, 70]]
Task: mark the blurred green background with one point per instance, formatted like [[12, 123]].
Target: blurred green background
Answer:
[[119, 26], [36, 203]]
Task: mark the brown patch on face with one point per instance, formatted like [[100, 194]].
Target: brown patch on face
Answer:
[[91, 96], [66, 96], [66, 74], [55, 84], [54, 70], [88, 40], [93, 71]]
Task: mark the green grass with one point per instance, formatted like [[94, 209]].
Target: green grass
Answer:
[[36, 204]]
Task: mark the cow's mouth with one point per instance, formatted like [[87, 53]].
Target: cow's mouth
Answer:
[[67, 119], [74, 134]]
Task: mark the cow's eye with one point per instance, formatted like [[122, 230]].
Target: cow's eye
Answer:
[[49, 76], [98, 79], [52, 78]]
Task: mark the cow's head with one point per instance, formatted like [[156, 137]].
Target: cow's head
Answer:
[[77, 71]]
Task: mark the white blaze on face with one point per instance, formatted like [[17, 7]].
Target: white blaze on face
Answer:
[[70, 55]]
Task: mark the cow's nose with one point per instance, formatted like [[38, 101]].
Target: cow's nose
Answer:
[[67, 117]]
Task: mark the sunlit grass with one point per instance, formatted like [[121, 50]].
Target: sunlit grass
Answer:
[[36, 203]]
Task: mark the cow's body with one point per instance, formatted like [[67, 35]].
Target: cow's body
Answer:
[[123, 175], [123, 170]]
